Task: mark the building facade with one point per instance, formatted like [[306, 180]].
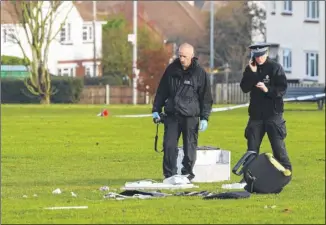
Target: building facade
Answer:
[[298, 29], [71, 53]]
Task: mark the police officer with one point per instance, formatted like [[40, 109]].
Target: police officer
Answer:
[[184, 91], [266, 81]]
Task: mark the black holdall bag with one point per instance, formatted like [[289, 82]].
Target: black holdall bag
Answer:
[[262, 173]]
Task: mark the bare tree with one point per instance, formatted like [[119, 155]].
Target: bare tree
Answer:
[[258, 15], [232, 34], [235, 24], [40, 25]]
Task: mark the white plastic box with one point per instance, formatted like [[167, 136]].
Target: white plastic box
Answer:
[[212, 164]]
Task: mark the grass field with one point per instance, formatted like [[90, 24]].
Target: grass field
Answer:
[[69, 147]]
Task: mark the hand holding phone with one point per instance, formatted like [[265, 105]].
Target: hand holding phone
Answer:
[[253, 64]]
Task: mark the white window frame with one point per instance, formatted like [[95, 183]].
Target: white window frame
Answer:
[[68, 69], [312, 7], [287, 6], [9, 34], [87, 32], [287, 60], [90, 66], [312, 61], [273, 7], [65, 33], [88, 71]]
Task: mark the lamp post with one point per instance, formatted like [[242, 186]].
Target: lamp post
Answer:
[[134, 54], [211, 44], [94, 39]]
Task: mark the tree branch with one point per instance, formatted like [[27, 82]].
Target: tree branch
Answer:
[[62, 23]]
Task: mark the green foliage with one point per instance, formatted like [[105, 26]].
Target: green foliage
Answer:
[[66, 90], [14, 91], [13, 60], [117, 52], [146, 40], [68, 147]]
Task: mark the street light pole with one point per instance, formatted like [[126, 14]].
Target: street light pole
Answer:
[[226, 71], [212, 44], [134, 55], [94, 39]]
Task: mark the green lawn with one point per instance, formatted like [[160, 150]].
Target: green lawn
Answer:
[[69, 147]]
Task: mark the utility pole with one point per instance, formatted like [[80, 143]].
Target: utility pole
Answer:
[[94, 40], [212, 46], [134, 55], [226, 71]]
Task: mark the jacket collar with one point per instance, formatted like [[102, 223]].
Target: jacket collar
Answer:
[[191, 68]]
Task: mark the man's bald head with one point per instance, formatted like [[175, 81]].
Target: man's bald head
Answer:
[[186, 53]]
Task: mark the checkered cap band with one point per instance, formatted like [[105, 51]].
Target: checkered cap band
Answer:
[[259, 50]]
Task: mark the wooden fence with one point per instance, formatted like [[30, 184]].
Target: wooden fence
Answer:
[[224, 94], [109, 95], [231, 93]]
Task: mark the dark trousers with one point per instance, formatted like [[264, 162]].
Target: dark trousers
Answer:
[[173, 127], [276, 130]]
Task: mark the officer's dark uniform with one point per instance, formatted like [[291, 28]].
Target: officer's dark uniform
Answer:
[[186, 97], [266, 109]]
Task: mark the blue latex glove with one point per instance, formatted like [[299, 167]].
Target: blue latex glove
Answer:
[[203, 125], [156, 117]]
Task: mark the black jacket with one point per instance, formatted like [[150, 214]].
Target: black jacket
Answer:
[[264, 105], [184, 92]]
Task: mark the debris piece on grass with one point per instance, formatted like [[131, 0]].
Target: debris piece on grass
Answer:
[[104, 188], [286, 210], [67, 207], [57, 191]]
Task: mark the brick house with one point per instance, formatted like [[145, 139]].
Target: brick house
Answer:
[[174, 21]]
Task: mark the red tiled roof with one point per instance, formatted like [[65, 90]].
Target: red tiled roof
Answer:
[[8, 13], [178, 20]]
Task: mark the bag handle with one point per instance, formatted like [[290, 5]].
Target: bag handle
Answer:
[[245, 160]]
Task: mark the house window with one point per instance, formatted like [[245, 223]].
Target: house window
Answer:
[[4, 37], [87, 32], [287, 60], [65, 34], [312, 64], [70, 72], [287, 6], [312, 10], [9, 35], [273, 7], [88, 71]]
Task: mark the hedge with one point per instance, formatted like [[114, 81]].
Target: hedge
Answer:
[[66, 90]]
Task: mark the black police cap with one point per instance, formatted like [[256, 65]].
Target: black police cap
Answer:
[[259, 49]]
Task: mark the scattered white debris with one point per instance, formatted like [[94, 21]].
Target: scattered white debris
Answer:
[[24, 196], [57, 191], [104, 188], [234, 186], [73, 194], [34, 195], [67, 207]]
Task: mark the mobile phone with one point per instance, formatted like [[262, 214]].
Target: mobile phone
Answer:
[[253, 60]]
